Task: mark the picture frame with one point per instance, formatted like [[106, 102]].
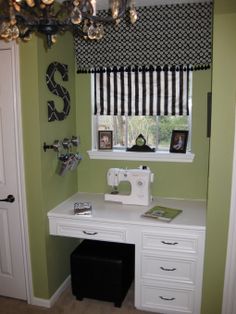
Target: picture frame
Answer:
[[179, 140], [105, 139]]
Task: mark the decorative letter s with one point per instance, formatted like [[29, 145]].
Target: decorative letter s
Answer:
[[57, 90]]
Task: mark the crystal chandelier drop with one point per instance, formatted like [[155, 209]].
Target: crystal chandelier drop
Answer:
[[21, 18]]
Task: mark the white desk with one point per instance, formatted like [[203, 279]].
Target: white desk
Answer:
[[168, 256]]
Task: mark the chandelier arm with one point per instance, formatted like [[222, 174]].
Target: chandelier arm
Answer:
[[28, 11], [47, 12], [24, 21], [66, 6], [78, 30], [26, 34]]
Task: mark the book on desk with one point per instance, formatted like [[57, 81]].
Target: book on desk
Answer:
[[162, 213]]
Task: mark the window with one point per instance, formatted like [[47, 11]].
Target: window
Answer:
[[156, 130], [148, 103]]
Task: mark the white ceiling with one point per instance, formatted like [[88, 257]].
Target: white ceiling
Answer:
[[103, 4]]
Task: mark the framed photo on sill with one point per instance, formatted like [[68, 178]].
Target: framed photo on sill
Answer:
[[179, 140], [105, 139]]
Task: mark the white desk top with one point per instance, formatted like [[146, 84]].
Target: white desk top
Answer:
[[193, 215]]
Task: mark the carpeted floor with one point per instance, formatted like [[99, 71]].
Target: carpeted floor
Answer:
[[67, 304]]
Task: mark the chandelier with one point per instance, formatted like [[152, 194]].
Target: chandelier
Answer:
[[22, 18]]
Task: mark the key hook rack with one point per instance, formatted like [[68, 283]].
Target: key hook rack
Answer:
[[65, 143]]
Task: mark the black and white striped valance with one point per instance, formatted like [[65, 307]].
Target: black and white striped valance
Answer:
[[153, 93], [174, 34]]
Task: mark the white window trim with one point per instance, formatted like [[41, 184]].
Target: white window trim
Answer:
[[161, 156], [158, 156]]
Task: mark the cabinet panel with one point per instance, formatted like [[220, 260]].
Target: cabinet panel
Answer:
[[168, 299], [166, 268], [168, 256], [91, 231], [170, 241]]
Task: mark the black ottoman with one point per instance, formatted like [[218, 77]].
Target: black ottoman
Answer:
[[102, 270]]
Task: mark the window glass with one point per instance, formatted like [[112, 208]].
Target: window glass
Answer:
[[165, 126], [156, 130]]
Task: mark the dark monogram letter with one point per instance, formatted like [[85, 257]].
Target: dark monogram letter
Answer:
[[57, 90]]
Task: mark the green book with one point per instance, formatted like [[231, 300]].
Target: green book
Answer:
[[162, 213]]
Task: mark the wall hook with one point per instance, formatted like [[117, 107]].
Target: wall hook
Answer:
[[56, 146], [66, 143], [75, 141]]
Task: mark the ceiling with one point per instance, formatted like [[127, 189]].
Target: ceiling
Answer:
[[103, 4]]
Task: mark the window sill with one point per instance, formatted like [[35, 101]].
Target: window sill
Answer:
[[157, 156]]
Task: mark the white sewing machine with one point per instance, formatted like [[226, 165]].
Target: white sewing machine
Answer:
[[140, 180]]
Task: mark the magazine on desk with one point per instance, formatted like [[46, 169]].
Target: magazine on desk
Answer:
[[162, 213]]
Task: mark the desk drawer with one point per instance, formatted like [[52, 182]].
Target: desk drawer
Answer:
[[92, 231], [171, 242], [166, 268], [167, 299]]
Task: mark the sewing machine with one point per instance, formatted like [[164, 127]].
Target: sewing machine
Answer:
[[140, 180]]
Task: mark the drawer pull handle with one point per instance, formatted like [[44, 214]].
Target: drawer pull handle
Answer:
[[169, 243], [167, 269], [89, 233], [166, 299]]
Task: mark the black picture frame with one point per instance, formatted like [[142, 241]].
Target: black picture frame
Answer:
[[179, 140], [105, 140]]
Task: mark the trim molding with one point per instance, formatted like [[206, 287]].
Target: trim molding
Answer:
[[229, 301], [21, 172], [48, 303], [157, 156], [15, 54]]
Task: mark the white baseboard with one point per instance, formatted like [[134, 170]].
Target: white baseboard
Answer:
[[50, 302]]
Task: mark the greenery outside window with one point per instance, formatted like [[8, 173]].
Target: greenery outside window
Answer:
[[156, 130]]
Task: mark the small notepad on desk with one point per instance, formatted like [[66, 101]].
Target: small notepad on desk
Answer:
[[162, 213]]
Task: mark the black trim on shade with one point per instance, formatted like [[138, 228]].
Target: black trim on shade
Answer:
[[200, 67]]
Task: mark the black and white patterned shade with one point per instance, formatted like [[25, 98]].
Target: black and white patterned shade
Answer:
[[146, 93], [173, 35]]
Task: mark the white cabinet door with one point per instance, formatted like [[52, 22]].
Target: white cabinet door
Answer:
[[12, 273]]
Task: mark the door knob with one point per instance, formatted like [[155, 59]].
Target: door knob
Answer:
[[10, 199]]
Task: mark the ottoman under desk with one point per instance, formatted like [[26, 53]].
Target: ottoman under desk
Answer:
[[102, 270]]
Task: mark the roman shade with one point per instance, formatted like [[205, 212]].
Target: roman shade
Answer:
[[173, 35], [158, 92]]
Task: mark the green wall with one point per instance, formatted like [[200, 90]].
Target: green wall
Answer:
[[221, 152], [49, 255], [45, 189], [181, 180]]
